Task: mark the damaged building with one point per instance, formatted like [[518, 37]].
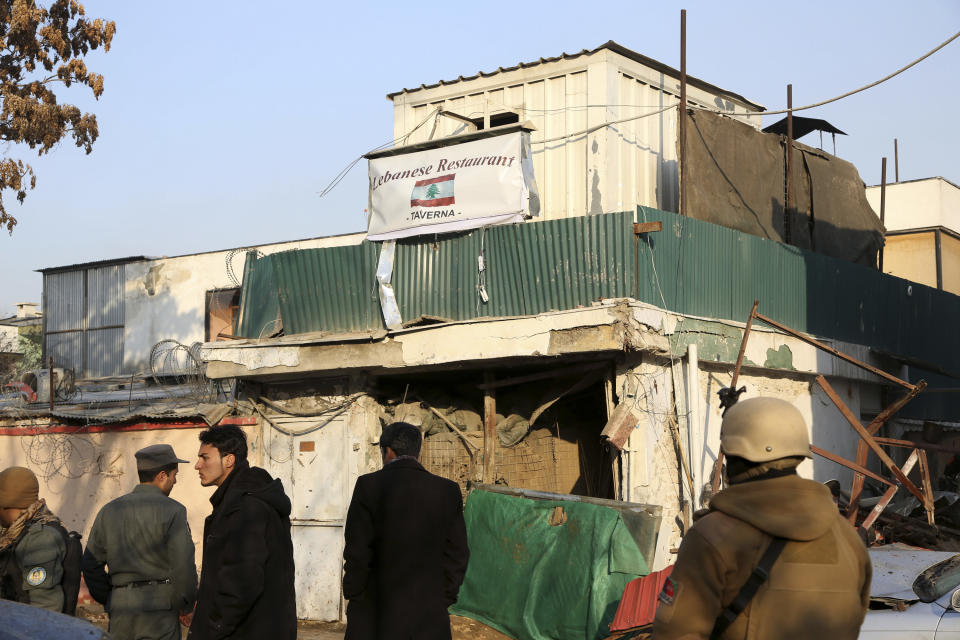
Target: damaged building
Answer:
[[571, 343]]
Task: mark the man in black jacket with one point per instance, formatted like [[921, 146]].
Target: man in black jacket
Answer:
[[246, 580], [406, 547]]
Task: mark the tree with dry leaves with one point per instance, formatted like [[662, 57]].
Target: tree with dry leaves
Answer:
[[42, 47]]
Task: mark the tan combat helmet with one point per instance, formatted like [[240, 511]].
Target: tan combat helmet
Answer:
[[764, 429]]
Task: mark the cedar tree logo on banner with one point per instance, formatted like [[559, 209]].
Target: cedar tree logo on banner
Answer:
[[433, 192]]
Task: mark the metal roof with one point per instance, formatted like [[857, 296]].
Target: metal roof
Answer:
[[17, 321], [95, 264], [639, 602], [610, 45], [449, 140], [893, 184]]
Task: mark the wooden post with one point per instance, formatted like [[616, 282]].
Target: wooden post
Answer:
[[787, 221], [489, 429], [683, 113], [613, 453], [896, 162], [868, 438], [888, 494], [927, 486], [883, 206]]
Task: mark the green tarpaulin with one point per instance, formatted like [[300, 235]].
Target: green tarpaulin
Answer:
[[546, 569]]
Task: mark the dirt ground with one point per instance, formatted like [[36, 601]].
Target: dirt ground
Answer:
[[463, 628]]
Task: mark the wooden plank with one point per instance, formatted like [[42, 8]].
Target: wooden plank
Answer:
[[885, 415], [859, 428], [910, 444], [533, 377], [647, 227], [927, 487], [489, 428], [816, 343], [856, 487], [888, 494], [850, 465], [872, 428]]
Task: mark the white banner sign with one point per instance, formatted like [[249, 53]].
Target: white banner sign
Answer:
[[451, 188]]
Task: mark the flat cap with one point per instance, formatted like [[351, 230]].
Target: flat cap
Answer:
[[156, 456]]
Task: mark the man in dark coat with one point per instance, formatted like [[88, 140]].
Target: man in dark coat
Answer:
[[246, 580], [406, 547]]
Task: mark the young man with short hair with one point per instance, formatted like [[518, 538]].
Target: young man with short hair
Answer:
[[246, 580], [145, 540]]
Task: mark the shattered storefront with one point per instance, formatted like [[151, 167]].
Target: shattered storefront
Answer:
[[590, 370]]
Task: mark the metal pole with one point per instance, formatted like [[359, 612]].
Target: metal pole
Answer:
[[883, 208], [789, 207], [896, 162], [683, 112], [938, 240], [50, 379]]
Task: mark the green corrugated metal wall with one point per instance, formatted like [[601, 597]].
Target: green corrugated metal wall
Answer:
[[715, 272], [531, 268], [691, 266]]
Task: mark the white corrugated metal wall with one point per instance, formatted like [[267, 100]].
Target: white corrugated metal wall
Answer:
[[614, 168]]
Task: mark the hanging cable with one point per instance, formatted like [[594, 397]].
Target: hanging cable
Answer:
[[343, 173], [436, 113], [863, 88]]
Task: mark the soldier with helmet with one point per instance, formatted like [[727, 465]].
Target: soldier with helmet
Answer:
[[772, 558]]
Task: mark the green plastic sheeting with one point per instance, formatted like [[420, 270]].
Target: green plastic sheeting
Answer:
[[536, 581]]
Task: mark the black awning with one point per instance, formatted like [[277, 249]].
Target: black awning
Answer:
[[802, 126]]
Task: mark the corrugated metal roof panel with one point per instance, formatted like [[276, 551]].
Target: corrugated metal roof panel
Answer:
[[609, 45], [104, 351], [639, 602], [66, 349], [259, 308], [692, 267], [711, 271], [530, 268], [105, 296], [328, 289], [63, 300]]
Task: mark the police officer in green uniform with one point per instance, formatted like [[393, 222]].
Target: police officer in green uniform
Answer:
[[32, 548], [144, 540]]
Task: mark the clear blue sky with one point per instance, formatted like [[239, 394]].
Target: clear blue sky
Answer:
[[222, 121]]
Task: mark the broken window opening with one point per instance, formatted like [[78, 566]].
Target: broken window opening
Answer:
[[561, 452], [221, 314]]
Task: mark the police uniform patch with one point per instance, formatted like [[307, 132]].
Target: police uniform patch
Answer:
[[36, 576], [668, 592]]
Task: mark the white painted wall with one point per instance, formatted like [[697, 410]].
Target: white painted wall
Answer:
[[99, 467], [79, 473], [612, 169], [9, 339], [319, 470], [165, 298], [651, 462], [931, 202]]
